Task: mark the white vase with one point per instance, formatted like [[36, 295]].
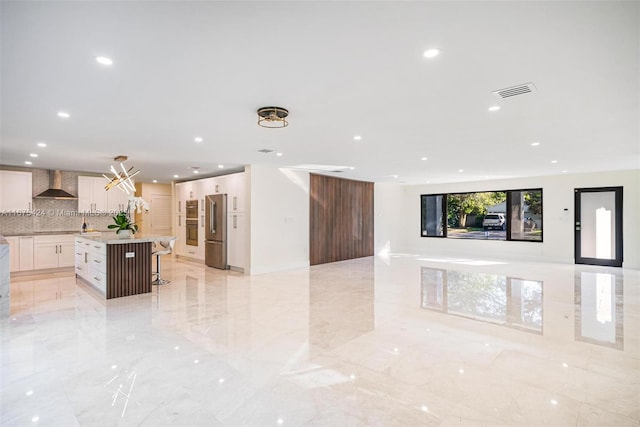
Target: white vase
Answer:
[[125, 234]]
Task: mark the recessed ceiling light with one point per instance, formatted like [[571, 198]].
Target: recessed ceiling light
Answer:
[[33, 155], [176, 176], [42, 144], [279, 154], [357, 138], [423, 158], [396, 176], [564, 171], [198, 139], [431, 53], [64, 114], [535, 144], [154, 181], [460, 170], [352, 168], [104, 60], [196, 171], [221, 166], [494, 108], [27, 162], [554, 161]]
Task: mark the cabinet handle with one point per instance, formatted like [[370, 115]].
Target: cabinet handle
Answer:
[[60, 248], [179, 205], [235, 203], [202, 221], [95, 278], [85, 257], [97, 260], [217, 188], [202, 205], [56, 248], [235, 221], [179, 221], [78, 253], [97, 247]]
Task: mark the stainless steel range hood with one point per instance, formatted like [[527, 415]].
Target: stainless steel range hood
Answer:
[[55, 190]]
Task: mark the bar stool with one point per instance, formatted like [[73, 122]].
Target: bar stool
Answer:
[[166, 249]]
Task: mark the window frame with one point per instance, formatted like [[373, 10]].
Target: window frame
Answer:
[[508, 207]]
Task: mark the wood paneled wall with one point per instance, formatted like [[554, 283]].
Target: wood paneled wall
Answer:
[[128, 276], [341, 219]]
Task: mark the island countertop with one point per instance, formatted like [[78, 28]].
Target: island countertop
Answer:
[[112, 238]]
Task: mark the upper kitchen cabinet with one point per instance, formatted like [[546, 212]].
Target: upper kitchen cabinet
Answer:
[[236, 192], [184, 191], [92, 196], [117, 200], [16, 190]]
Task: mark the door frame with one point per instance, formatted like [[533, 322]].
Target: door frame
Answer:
[[617, 262]]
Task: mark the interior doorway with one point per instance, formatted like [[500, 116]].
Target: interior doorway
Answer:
[[598, 226]]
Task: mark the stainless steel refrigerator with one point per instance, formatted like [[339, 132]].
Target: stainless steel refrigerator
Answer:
[[215, 249]]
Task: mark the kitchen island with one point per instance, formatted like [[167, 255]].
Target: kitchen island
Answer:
[[116, 267]]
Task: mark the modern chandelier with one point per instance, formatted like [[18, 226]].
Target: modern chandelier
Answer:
[[121, 180], [273, 117]]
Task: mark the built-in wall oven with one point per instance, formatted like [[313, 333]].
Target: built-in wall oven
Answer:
[[191, 222]]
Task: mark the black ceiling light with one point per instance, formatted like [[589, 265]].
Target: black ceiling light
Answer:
[[273, 117]]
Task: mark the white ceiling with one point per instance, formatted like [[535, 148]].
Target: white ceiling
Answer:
[[185, 69]]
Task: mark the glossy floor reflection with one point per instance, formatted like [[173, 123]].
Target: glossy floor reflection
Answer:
[[396, 341]]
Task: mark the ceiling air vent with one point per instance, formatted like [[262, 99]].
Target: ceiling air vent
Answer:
[[515, 90], [265, 151]]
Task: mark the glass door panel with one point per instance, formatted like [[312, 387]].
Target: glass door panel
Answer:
[[598, 226]]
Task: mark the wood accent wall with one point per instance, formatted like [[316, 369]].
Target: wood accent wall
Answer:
[[128, 276], [340, 219]]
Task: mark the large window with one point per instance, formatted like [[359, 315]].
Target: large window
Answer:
[[488, 215]]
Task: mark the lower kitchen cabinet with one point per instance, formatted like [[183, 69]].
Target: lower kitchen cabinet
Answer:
[[53, 251], [14, 253], [236, 234], [91, 262]]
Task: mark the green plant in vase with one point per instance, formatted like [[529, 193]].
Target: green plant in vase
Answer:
[[122, 223]]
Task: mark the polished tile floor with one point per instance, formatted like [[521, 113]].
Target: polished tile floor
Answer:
[[402, 340]]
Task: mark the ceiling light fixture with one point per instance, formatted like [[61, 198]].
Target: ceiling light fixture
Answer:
[[176, 176], [279, 154], [198, 139], [494, 108], [33, 155], [41, 144], [460, 170], [554, 161], [155, 181], [357, 138], [535, 144], [63, 114], [431, 53], [273, 117], [423, 158], [221, 166], [122, 180], [104, 60], [27, 162]]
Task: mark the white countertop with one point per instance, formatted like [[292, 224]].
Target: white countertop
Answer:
[[111, 238]]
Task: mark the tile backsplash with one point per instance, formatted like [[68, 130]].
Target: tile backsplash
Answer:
[[51, 214]]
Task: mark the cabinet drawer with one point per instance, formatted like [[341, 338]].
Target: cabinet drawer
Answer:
[[98, 279], [97, 261], [98, 248]]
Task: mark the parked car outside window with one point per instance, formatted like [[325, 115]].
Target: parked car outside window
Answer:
[[494, 221]]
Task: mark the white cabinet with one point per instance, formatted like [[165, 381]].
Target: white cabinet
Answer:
[[117, 200], [91, 262], [92, 196], [236, 234], [16, 190], [26, 253], [184, 192], [236, 192], [14, 253], [180, 245], [53, 251]]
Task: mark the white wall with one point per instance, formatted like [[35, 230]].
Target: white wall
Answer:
[[558, 228], [279, 219]]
